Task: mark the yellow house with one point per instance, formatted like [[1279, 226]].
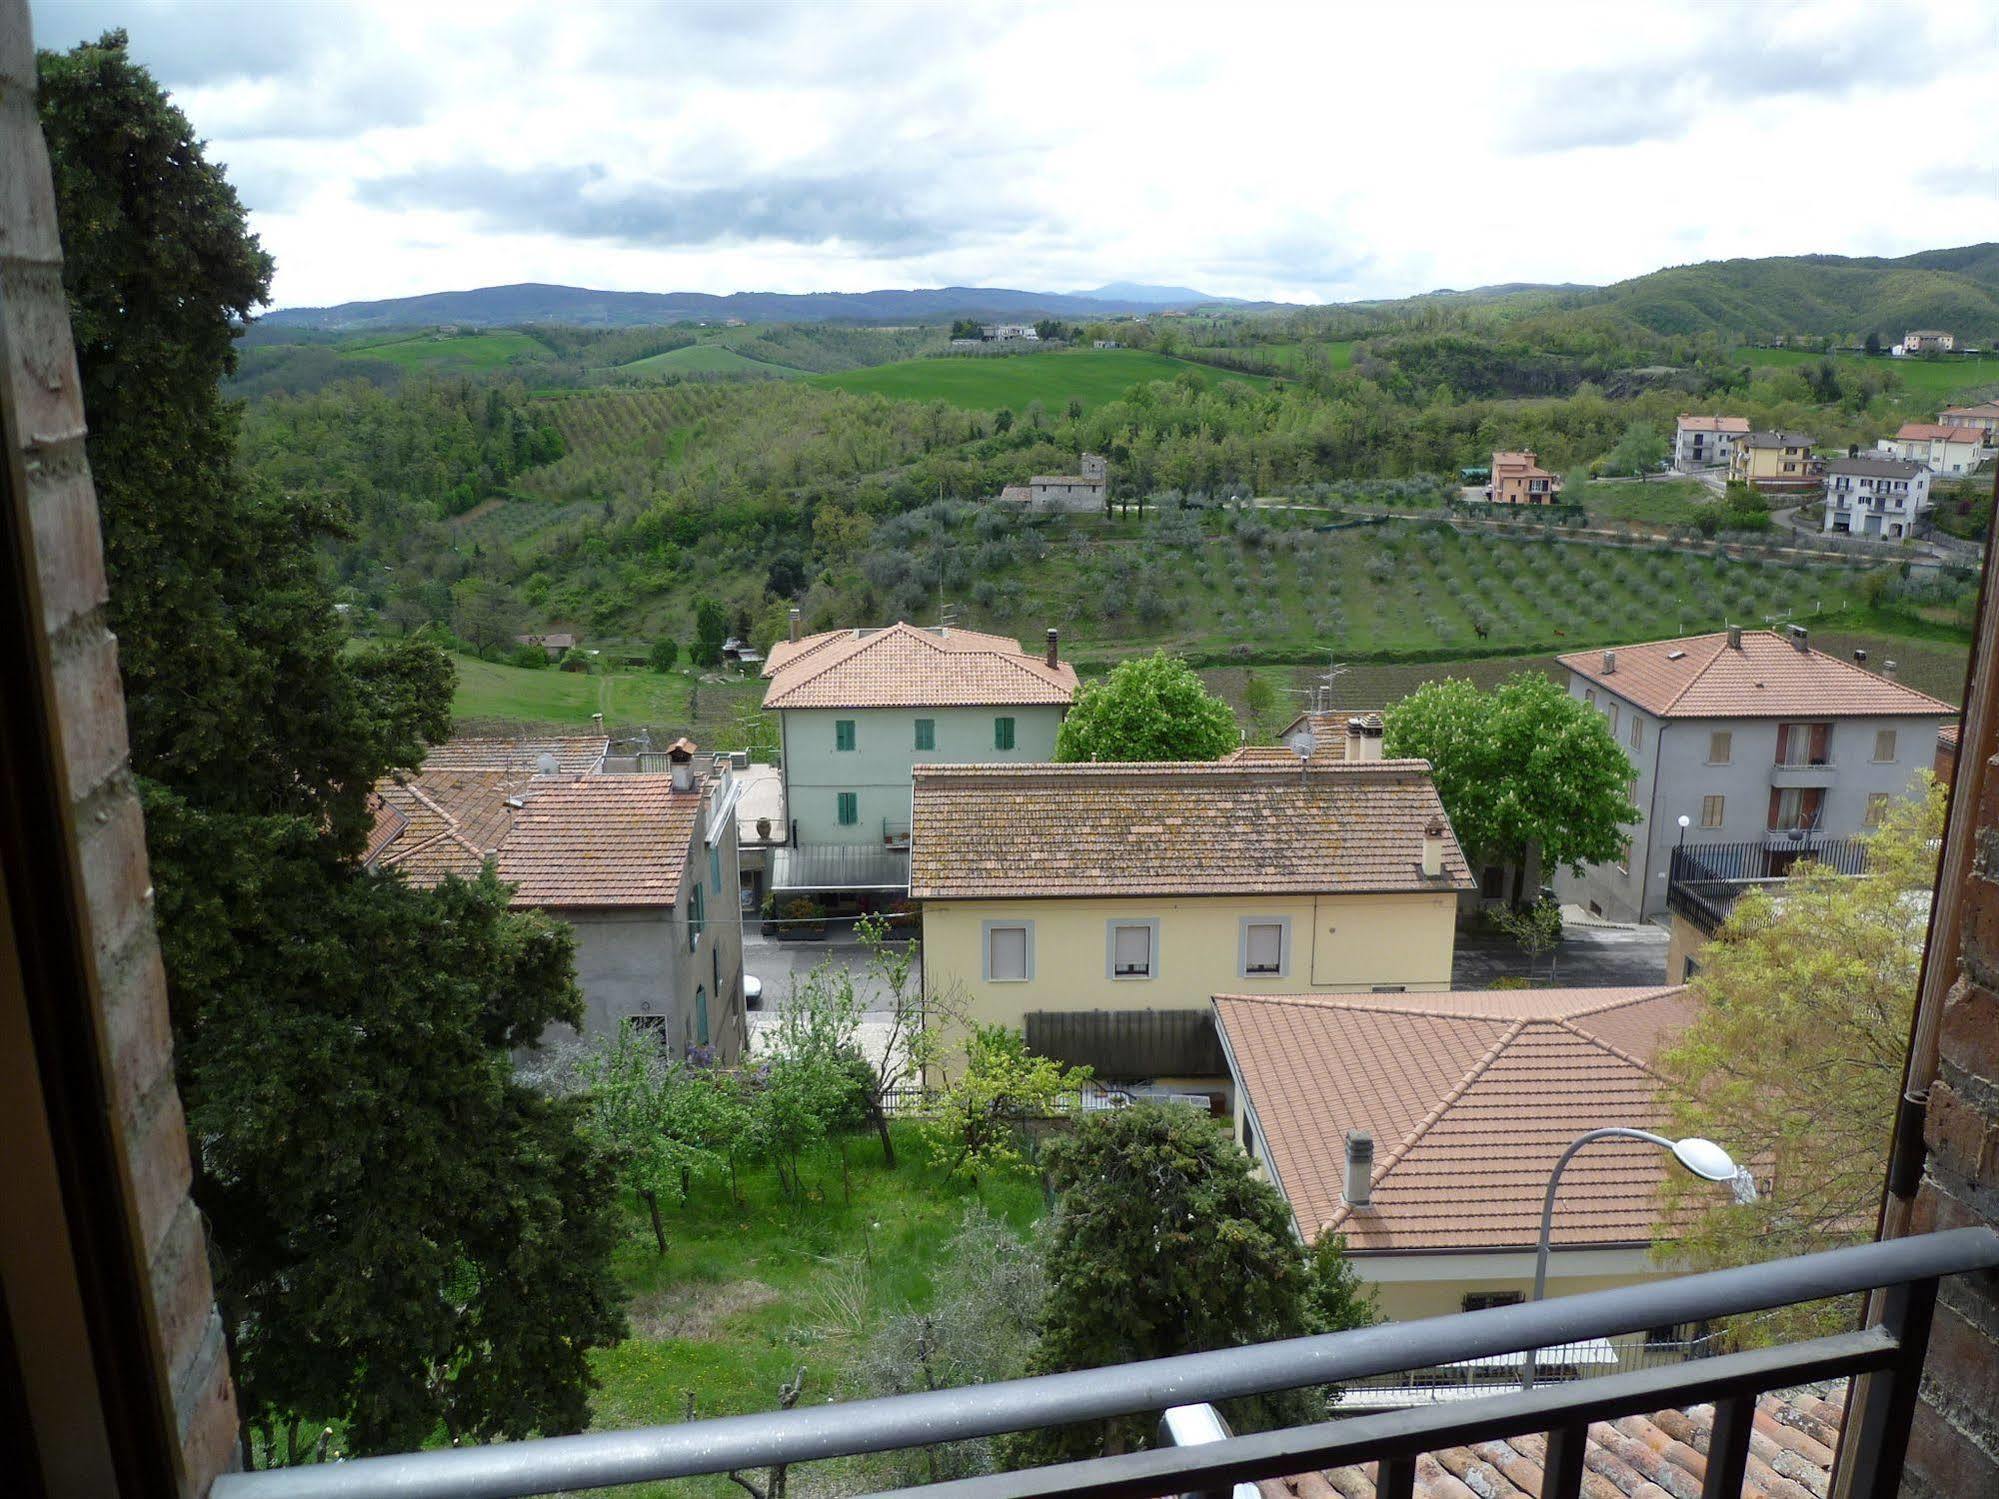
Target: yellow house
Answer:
[[1775, 460], [1423, 1128], [1097, 907]]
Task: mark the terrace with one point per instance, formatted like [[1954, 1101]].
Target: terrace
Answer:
[[1707, 879]]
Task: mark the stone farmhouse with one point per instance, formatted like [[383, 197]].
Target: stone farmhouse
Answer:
[[1082, 493]]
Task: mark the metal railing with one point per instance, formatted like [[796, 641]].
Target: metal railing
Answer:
[[1705, 880], [1888, 1356]]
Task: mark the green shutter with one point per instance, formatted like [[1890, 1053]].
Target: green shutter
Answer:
[[926, 733], [1003, 733], [700, 1016], [850, 809], [843, 733]]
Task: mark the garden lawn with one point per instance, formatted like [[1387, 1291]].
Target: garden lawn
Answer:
[[989, 382], [1657, 502], [494, 696], [1951, 376], [747, 1296]]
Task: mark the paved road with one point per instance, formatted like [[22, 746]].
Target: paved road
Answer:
[[782, 965], [1589, 957]]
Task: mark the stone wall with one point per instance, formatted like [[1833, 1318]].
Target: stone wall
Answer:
[[42, 392]]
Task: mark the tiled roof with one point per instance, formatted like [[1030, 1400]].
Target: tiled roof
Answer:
[[1470, 1097], [1661, 1456], [1947, 735], [1518, 466], [573, 754], [1714, 423], [1938, 432], [1985, 411], [1202, 828], [1870, 466], [1329, 729], [906, 666], [1702, 676], [1777, 440], [564, 840]]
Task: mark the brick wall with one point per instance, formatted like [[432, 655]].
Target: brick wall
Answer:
[[39, 384]]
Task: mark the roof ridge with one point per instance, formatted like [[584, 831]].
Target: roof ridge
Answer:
[[1634, 994], [1702, 670], [1352, 1003], [1437, 1111], [1616, 1051]]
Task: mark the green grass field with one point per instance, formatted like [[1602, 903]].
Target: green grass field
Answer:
[[707, 359], [1657, 502], [1931, 377], [1092, 376], [492, 695], [748, 1294], [483, 351]]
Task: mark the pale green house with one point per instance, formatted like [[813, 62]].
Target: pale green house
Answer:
[[859, 710]]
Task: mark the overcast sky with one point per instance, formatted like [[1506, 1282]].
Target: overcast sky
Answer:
[[1310, 153]]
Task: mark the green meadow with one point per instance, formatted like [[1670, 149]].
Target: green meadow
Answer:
[[1950, 377], [988, 382]]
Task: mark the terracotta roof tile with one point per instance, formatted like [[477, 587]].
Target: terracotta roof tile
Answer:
[[1661, 1456], [1199, 828], [908, 666], [1939, 432], [1470, 1097], [1701, 676], [1714, 423], [573, 754]]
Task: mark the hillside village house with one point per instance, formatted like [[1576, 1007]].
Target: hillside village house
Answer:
[[1775, 461], [1947, 450], [1099, 906], [1706, 441], [1928, 341], [1423, 1128], [1984, 417], [1752, 737], [557, 645], [858, 710], [1874, 495], [1519, 479], [1000, 333], [641, 867]]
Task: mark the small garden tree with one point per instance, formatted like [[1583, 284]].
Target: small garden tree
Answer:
[[1164, 1241], [1149, 708], [1638, 451], [974, 1119], [1527, 773], [663, 656], [711, 628]]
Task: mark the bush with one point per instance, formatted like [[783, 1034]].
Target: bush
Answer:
[[528, 657], [664, 655]]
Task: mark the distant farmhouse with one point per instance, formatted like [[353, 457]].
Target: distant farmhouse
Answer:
[[1928, 341], [1082, 493], [1103, 343], [1706, 441], [1519, 479], [557, 645], [1984, 417], [1003, 333]]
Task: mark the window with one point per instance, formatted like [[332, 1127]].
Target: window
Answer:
[[843, 733], [697, 918], [1613, 720], [1492, 882], [1801, 744], [1009, 952], [850, 808], [1134, 949], [1589, 696], [1481, 1301], [1003, 733], [1624, 857], [1884, 745], [1795, 808], [926, 733], [1720, 747], [1712, 811], [1265, 947], [1877, 808], [1637, 732]]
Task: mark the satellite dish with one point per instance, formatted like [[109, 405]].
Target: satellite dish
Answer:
[[1303, 743], [547, 764]]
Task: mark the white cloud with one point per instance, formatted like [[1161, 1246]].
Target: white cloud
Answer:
[[1307, 154]]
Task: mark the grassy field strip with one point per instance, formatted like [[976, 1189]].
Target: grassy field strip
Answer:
[[988, 382], [1952, 376]]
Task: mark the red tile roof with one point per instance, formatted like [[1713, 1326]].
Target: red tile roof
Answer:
[[1714, 423], [1661, 1456], [1470, 1097], [1938, 432], [907, 666], [1200, 828], [572, 754], [1702, 676]]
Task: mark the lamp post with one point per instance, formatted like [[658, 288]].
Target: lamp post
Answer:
[[1703, 1158]]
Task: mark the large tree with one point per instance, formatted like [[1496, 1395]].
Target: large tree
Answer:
[[1527, 774], [1794, 1060], [1148, 708], [1165, 1241], [404, 1237]]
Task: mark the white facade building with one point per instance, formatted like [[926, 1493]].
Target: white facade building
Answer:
[[1876, 496], [1706, 441], [1947, 450]]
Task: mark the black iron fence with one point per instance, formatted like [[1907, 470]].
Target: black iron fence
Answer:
[[1707, 879], [1888, 1356]]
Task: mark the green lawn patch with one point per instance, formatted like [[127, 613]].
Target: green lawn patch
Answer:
[[986, 383], [1951, 376], [679, 701], [1658, 502]]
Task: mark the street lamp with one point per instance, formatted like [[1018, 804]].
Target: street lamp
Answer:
[[1703, 1158]]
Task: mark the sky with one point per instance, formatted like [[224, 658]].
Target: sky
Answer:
[[1301, 153]]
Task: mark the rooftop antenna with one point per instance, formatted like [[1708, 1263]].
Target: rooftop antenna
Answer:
[[1334, 671]]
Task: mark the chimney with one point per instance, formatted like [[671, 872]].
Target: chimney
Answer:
[[795, 616], [1370, 742], [1801, 638], [1053, 656], [1433, 848], [1356, 734], [1860, 658], [1359, 1185], [1735, 637], [680, 754], [1888, 670], [1609, 662], [597, 722]]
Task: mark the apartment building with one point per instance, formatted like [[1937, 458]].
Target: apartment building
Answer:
[[1706, 441], [1877, 496], [1777, 461], [1947, 450]]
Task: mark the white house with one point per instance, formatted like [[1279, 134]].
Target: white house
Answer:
[[1984, 416], [1706, 441], [1946, 449], [1877, 496], [1928, 341], [1000, 333]]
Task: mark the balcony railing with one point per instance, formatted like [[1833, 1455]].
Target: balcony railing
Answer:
[[1888, 1356], [1707, 879]]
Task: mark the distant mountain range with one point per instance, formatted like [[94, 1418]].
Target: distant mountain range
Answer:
[[532, 302]]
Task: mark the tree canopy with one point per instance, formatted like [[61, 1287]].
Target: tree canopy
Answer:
[[1521, 769], [1149, 708], [1794, 1060], [404, 1237]]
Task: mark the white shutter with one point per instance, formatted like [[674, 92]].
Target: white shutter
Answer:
[[1265, 948], [1008, 956], [1132, 951]]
